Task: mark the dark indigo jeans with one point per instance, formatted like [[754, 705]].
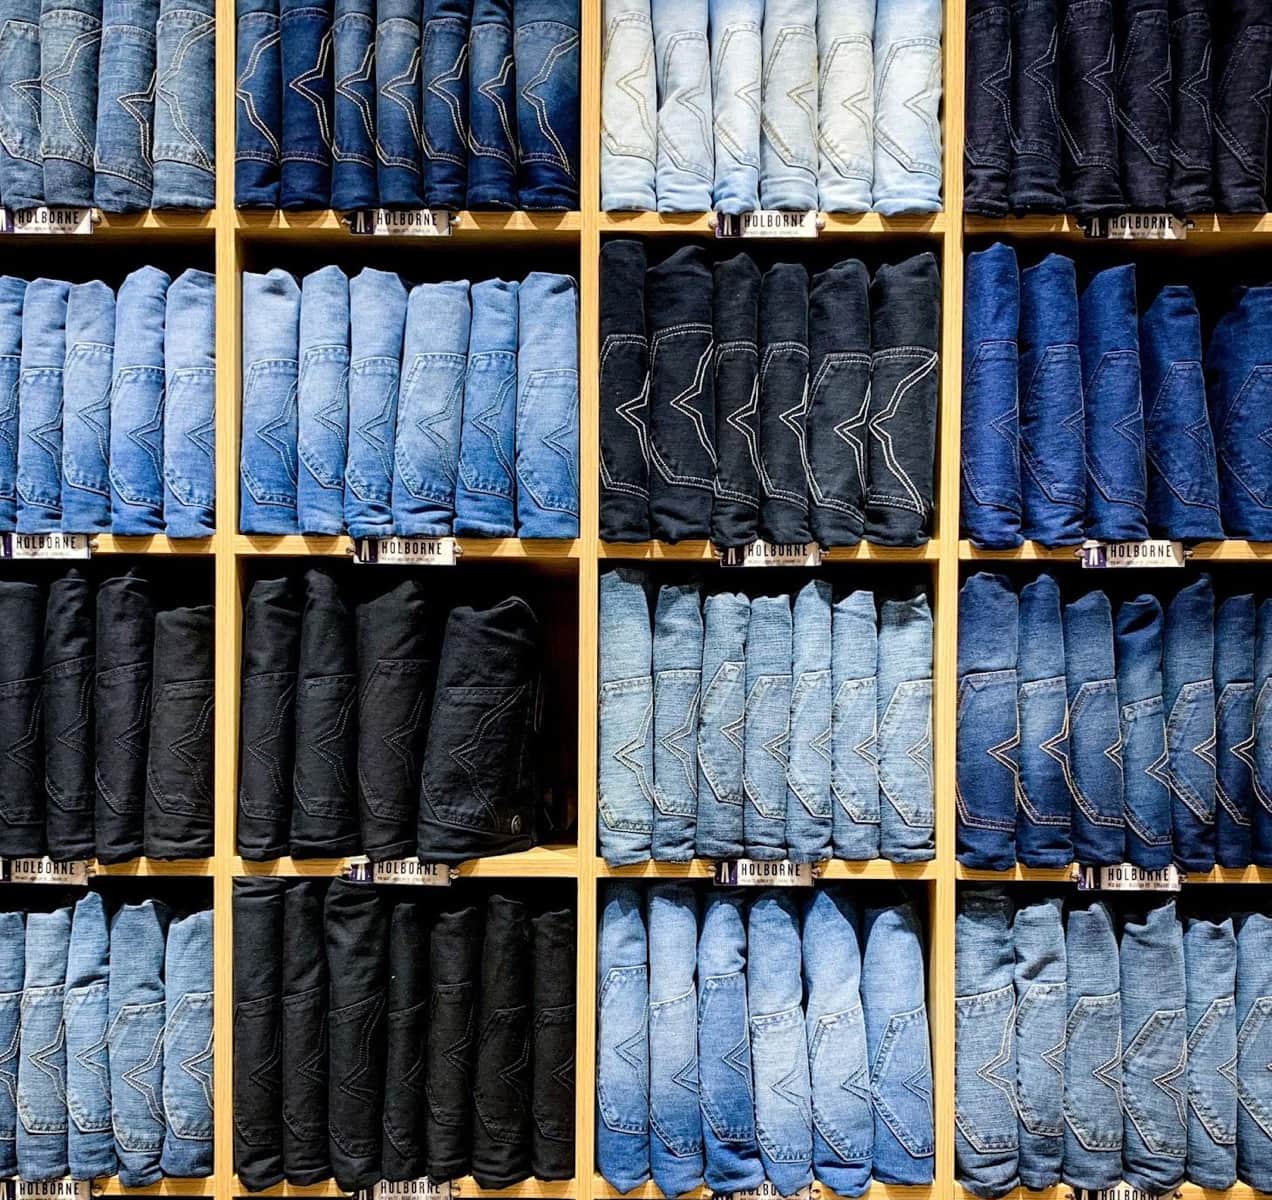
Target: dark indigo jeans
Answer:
[[1242, 68], [1191, 187], [258, 115], [1087, 88], [353, 178], [444, 66], [492, 101], [552, 1045], [1144, 101], [306, 41], [405, 1080], [546, 51], [21, 689], [1035, 170], [735, 509], [987, 148], [304, 1001]]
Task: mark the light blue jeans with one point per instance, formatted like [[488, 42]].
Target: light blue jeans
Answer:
[[845, 105], [736, 63], [40, 406], [725, 617], [21, 168], [808, 802], [684, 105], [41, 1091], [90, 1143], [854, 776], [788, 127], [322, 401], [677, 669], [12, 291], [185, 110], [189, 413], [90, 342], [1210, 978], [768, 727], [70, 38], [629, 107], [187, 1047], [12, 970], [126, 87]]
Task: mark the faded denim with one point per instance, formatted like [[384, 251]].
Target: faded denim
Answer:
[[444, 58], [70, 38], [1254, 1049], [907, 88], [258, 93], [123, 158], [845, 105], [1234, 731], [21, 168], [40, 385], [767, 730], [684, 148], [721, 715], [353, 161], [271, 331], [809, 813], [736, 66], [854, 776], [305, 160], [185, 109], [677, 671], [322, 401], [90, 1143], [41, 1090], [398, 103], [546, 45], [86, 383], [788, 112], [492, 132], [12, 968], [629, 107], [12, 292], [189, 413], [1210, 978], [187, 1047]]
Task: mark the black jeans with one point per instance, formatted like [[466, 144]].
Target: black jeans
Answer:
[[552, 1046], [69, 663], [1243, 36], [839, 396], [1035, 169], [178, 821], [1144, 101], [258, 1034], [405, 1096], [987, 150], [735, 510], [304, 1019], [624, 498], [681, 396], [267, 720], [21, 708], [1191, 154], [324, 816], [397, 665], [122, 699], [477, 785], [1088, 108]]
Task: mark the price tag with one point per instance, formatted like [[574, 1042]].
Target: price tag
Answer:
[[1121, 1191], [407, 1189], [45, 545], [766, 1191], [771, 554], [407, 222], [752, 872], [1153, 227], [407, 551], [766, 223], [45, 870], [418, 874], [1155, 552], [48, 220], [1126, 877]]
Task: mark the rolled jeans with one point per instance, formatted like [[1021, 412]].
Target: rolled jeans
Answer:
[[788, 113], [322, 401], [684, 150], [22, 787], [492, 137], [70, 37], [718, 833], [185, 114], [854, 716], [809, 814], [546, 48], [187, 1047], [907, 88], [629, 107], [21, 166], [41, 1085], [12, 970], [1210, 978], [127, 87], [189, 411], [90, 1143], [677, 671], [40, 386], [258, 111], [12, 292], [736, 66], [767, 727], [735, 506], [1254, 1049], [304, 992], [1234, 731], [353, 178]]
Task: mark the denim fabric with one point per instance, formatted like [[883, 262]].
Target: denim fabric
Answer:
[[187, 1047], [1234, 730], [1046, 777], [675, 1123], [184, 148], [1239, 387], [622, 1038], [1144, 101], [492, 134], [444, 86], [779, 1045], [127, 86], [378, 298], [21, 168], [189, 414], [788, 120], [430, 409], [546, 50], [353, 106], [1154, 1050], [12, 968], [1191, 186], [70, 36], [839, 401], [736, 67], [12, 292], [990, 507], [1035, 135], [625, 775], [987, 151], [903, 748], [783, 398], [629, 107], [897, 1044], [484, 488], [678, 295], [1254, 1049], [854, 775], [305, 161], [67, 703], [677, 669], [547, 427], [90, 1144], [304, 1001], [1183, 488], [258, 94], [988, 766], [398, 103], [271, 333], [86, 378], [405, 1082], [1088, 116], [40, 406], [555, 941], [685, 152], [1095, 737], [736, 304], [21, 687], [1243, 45], [322, 401], [1210, 979], [1108, 340], [1092, 1050], [906, 303], [845, 105], [767, 736], [41, 1087], [721, 738], [137, 404], [1189, 697], [1137, 640], [1052, 433], [135, 1039], [624, 390], [907, 126], [986, 1140], [809, 812], [1261, 735]]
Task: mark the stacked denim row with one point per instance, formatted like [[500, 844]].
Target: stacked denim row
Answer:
[[451, 409], [366, 730], [1096, 1046], [816, 104], [737, 404], [1098, 107], [107, 1024], [767, 1038], [106, 725], [1142, 737], [761, 727], [388, 1040], [445, 104], [108, 422], [1084, 419], [107, 103]]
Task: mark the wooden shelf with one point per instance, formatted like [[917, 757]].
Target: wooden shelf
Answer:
[[699, 551], [1185, 1191], [1021, 874], [165, 1187], [145, 867], [471, 228], [1211, 231], [1231, 551], [142, 227], [543, 862], [836, 225], [834, 869], [107, 543], [298, 545], [876, 1191], [533, 1189]]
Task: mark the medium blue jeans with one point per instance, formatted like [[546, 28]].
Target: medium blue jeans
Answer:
[[398, 103], [788, 123], [1254, 1050], [189, 412], [629, 107], [685, 157], [70, 39], [854, 718], [809, 814], [12, 292], [258, 92], [846, 105], [546, 45], [1210, 979], [492, 99], [768, 727], [12, 970], [305, 159], [90, 1143], [1261, 769], [187, 1047], [736, 65], [353, 182], [725, 618], [123, 160], [677, 670], [185, 109], [1234, 731], [21, 168], [444, 88], [322, 401], [86, 382], [40, 406], [41, 1090]]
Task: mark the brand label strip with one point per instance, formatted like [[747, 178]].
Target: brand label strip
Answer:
[[407, 551], [771, 554], [389, 222], [767, 223], [751, 872]]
